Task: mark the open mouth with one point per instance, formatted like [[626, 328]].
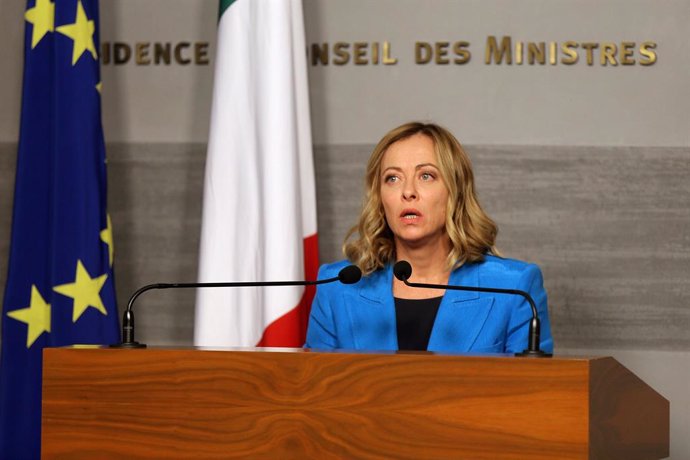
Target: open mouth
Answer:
[[410, 214]]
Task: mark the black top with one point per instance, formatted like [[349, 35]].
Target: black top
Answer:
[[415, 319]]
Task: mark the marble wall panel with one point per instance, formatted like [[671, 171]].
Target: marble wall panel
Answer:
[[608, 226]]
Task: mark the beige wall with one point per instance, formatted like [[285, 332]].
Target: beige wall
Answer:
[[485, 104], [584, 167], [500, 104]]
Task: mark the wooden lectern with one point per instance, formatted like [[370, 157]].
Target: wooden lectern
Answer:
[[293, 403]]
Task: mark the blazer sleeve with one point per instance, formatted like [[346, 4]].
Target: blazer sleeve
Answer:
[[532, 282], [321, 332]]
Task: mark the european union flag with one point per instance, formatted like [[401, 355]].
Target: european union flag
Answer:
[[60, 286]]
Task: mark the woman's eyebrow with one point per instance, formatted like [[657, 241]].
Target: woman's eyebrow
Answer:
[[417, 168], [395, 168]]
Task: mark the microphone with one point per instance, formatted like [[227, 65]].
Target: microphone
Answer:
[[403, 270], [348, 275]]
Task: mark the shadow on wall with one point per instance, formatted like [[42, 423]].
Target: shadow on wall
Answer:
[[155, 201]]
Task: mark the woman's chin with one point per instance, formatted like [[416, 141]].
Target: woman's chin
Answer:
[[418, 239]]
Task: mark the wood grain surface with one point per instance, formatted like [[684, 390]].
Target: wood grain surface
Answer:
[[629, 420], [186, 403]]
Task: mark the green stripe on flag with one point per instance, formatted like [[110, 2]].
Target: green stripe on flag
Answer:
[[224, 4]]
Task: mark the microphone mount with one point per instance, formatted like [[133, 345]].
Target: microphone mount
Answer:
[[350, 274], [403, 270]]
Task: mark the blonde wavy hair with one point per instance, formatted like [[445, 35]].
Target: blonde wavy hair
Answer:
[[471, 231]]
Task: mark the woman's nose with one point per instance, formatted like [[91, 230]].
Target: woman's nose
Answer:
[[409, 192]]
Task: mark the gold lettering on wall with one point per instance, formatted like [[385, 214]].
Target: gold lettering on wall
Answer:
[[552, 53], [319, 53], [442, 53], [422, 52], [179, 56], [518, 53], [142, 54], [647, 50], [536, 52], [359, 50], [156, 53], [357, 53], [497, 52], [589, 48], [121, 53], [608, 54], [387, 58], [105, 54], [626, 52], [162, 53], [568, 52], [341, 50], [460, 50], [201, 53], [375, 53], [569, 49]]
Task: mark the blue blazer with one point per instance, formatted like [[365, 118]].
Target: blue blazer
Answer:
[[362, 316]]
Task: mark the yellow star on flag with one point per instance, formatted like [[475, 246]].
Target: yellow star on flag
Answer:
[[36, 316], [81, 31], [107, 238], [85, 291], [42, 16]]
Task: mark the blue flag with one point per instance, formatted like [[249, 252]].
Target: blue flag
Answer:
[[60, 287]]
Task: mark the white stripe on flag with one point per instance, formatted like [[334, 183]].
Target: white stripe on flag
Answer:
[[259, 202]]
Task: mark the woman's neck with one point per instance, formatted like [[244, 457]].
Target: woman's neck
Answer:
[[429, 265], [429, 262]]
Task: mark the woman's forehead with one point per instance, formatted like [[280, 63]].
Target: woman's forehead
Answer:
[[410, 152]]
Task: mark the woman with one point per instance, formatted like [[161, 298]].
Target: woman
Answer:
[[420, 206]]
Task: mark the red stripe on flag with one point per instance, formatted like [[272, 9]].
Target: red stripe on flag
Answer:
[[290, 330]]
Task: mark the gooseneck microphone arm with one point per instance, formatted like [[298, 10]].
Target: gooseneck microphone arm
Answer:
[[348, 275], [403, 270], [149, 287]]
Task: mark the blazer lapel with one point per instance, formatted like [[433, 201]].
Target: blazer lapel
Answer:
[[372, 314], [461, 315]]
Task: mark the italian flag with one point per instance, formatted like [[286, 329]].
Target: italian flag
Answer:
[[259, 212]]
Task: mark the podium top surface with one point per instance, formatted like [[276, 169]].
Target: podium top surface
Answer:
[[563, 357]]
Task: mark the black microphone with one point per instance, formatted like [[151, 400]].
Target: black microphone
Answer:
[[403, 270], [348, 275]]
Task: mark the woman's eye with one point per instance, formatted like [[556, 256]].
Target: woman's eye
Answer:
[[391, 179], [427, 176]]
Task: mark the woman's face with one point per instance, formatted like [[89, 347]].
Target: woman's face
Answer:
[[413, 193]]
